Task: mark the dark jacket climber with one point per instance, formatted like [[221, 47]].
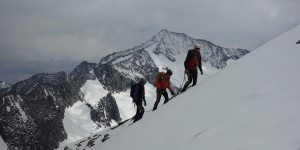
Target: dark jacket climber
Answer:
[[191, 63], [138, 95]]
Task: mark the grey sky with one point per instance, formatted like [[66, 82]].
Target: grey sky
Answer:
[[43, 36]]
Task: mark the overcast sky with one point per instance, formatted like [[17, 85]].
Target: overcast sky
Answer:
[[39, 36]]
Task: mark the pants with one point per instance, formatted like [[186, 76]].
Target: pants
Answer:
[[192, 76], [160, 92], [139, 112]]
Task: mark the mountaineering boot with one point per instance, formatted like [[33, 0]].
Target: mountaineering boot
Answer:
[[166, 101], [183, 89], [155, 106]]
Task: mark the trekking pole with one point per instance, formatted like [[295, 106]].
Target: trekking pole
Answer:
[[183, 79], [178, 82], [181, 85]]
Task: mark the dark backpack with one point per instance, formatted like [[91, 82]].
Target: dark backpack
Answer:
[[133, 92]]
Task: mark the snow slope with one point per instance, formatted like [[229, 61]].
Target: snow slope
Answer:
[[2, 144], [253, 104]]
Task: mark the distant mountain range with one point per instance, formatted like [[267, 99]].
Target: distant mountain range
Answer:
[[32, 111]]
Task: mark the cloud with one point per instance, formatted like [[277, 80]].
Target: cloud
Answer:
[[50, 36]]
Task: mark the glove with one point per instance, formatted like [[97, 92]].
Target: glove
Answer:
[[172, 92], [133, 103], [145, 103], [186, 71], [201, 72]]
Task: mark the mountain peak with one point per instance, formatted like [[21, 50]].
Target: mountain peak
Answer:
[[161, 34], [164, 34], [4, 84], [84, 68], [164, 31]]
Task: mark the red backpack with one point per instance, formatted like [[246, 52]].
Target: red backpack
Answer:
[[193, 62]]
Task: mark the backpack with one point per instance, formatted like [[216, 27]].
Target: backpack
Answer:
[[158, 78], [193, 61], [133, 91]]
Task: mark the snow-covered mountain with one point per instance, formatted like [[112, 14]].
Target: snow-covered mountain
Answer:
[[46, 109], [169, 49], [251, 104]]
